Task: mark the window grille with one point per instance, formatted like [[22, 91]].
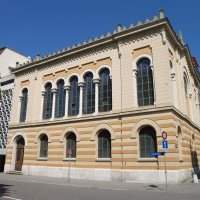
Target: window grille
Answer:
[[60, 99], [48, 100], [24, 102], [104, 144], [148, 142], [88, 94], [105, 91], [71, 145], [145, 88], [74, 94], [43, 146]]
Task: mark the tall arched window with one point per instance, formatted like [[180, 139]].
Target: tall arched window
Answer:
[[24, 102], [48, 99], [88, 94], [104, 144], [148, 142], [145, 89], [185, 85], [179, 143], [105, 91], [74, 94], [71, 145], [60, 99], [43, 146]]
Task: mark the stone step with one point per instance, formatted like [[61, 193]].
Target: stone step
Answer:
[[14, 172]]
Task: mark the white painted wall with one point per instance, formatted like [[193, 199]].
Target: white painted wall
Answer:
[[8, 58]]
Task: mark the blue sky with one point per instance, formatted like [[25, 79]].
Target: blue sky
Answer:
[[43, 26]]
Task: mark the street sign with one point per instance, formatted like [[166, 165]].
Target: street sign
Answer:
[[164, 135], [165, 144], [156, 154]]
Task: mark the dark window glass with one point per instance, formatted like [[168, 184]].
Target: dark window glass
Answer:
[[48, 100], [88, 94], [74, 94], [105, 91], [60, 99], [145, 90], [148, 142], [24, 102], [104, 144], [185, 85], [43, 146], [71, 145]]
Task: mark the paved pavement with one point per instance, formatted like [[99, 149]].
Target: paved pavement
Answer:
[[18, 187]]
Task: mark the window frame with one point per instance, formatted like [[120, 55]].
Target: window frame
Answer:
[[40, 157], [149, 74], [150, 158], [107, 83], [60, 99], [47, 102], [98, 157], [88, 96], [23, 105], [66, 157]]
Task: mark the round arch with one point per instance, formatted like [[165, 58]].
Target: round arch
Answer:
[[102, 127], [143, 123], [102, 67], [40, 133], [13, 140], [70, 76], [135, 61], [70, 130], [85, 72]]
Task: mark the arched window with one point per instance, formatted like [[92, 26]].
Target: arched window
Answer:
[[48, 100], [148, 142], [71, 145], [180, 143], [145, 89], [88, 94], [105, 91], [185, 85], [74, 94], [104, 144], [24, 102], [60, 99], [43, 146]]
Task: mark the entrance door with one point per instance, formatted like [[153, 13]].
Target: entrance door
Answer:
[[19, 153]]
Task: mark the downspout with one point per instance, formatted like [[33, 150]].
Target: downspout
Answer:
[[120, 114]]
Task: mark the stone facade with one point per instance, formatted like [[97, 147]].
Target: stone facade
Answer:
[[173, 111]]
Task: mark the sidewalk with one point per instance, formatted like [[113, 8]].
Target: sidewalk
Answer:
[[105, 185]]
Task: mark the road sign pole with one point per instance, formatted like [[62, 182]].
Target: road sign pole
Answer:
[[165, 163]]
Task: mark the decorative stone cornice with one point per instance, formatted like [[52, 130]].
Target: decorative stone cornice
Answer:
[[119, 32], [106, 116]]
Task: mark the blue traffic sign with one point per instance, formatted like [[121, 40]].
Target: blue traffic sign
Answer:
[[165, 144], [156, 154]]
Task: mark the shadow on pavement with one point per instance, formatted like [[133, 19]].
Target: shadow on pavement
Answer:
[[4, 189]]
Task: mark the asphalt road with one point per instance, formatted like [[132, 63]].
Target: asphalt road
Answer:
[[18, 187]]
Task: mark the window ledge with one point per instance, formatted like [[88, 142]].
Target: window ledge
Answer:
[[104, 160], [42, 159], [69, 159], [147, 159]]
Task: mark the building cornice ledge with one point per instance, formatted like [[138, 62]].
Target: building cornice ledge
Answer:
[[142, 111]]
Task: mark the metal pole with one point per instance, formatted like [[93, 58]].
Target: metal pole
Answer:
[[165, 163]]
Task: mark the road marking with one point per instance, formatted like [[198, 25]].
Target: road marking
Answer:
[[12, 198]]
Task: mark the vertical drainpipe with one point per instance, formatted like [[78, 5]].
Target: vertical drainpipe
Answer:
[[120, 115]]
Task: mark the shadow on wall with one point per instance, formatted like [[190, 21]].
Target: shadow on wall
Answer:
[[4, 190], [194, 159], [195, 163]]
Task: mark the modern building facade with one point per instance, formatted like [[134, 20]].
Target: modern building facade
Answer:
[[96, 110], [8, 59]]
